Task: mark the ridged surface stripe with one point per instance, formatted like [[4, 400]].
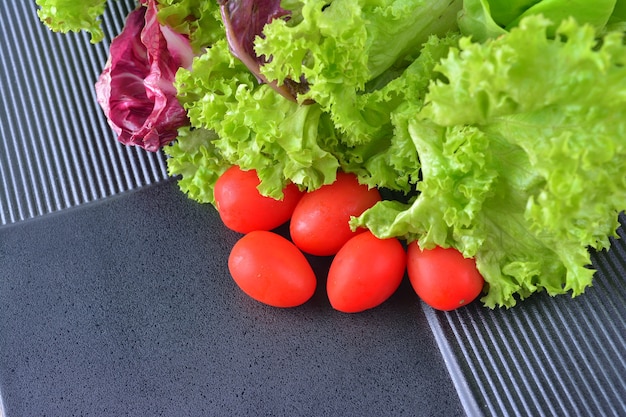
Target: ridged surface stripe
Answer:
[[56, 148], [546, 356]]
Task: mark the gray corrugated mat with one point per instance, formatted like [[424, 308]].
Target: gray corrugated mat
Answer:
[[48, 162], [546, 356]]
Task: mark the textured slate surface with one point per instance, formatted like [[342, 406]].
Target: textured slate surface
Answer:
[[124, 307], [57, 150]]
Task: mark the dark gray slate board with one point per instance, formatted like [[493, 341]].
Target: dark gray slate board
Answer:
[[125, 307]]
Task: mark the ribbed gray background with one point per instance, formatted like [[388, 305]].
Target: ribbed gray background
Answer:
[[546, 356], [56, 149]]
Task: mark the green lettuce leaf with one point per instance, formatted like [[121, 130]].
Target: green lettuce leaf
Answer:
[[73, 16], [617, 21], [282, 140], [476, 20], [484, 19], [594, 13], [194, 158], [389, 159], [505, 11], [523, 158], [341, 46], [255, 127], [199, 19]]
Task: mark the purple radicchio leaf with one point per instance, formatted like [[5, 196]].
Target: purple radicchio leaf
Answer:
[[136, 88], [244, 21]]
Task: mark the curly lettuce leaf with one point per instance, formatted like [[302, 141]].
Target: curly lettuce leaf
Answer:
[[389, 159], [339, 47], [198, 19], [73, 16], [198, 164], [484, 19], [523, 158], [282, 140], [256, 127]]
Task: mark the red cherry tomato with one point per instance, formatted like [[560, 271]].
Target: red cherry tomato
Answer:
[[442, 277], [320, 222], [243, 209], [365, 272], [270, 269]]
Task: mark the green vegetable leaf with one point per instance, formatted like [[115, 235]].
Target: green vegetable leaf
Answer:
[[476, 20], [594, 13], [194, 158], [280, 139], [505, 11], [390, 159], [522, 157], [256, 127], [617, 21], [341, 46], [484, 19], [73, 16], [199, 19]]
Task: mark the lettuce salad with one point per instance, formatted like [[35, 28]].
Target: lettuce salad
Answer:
[[496, 127]]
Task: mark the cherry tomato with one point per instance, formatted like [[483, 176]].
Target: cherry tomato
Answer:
[[270, 269], [243, 209], [365, 272], [320, 222], [442, 277]]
